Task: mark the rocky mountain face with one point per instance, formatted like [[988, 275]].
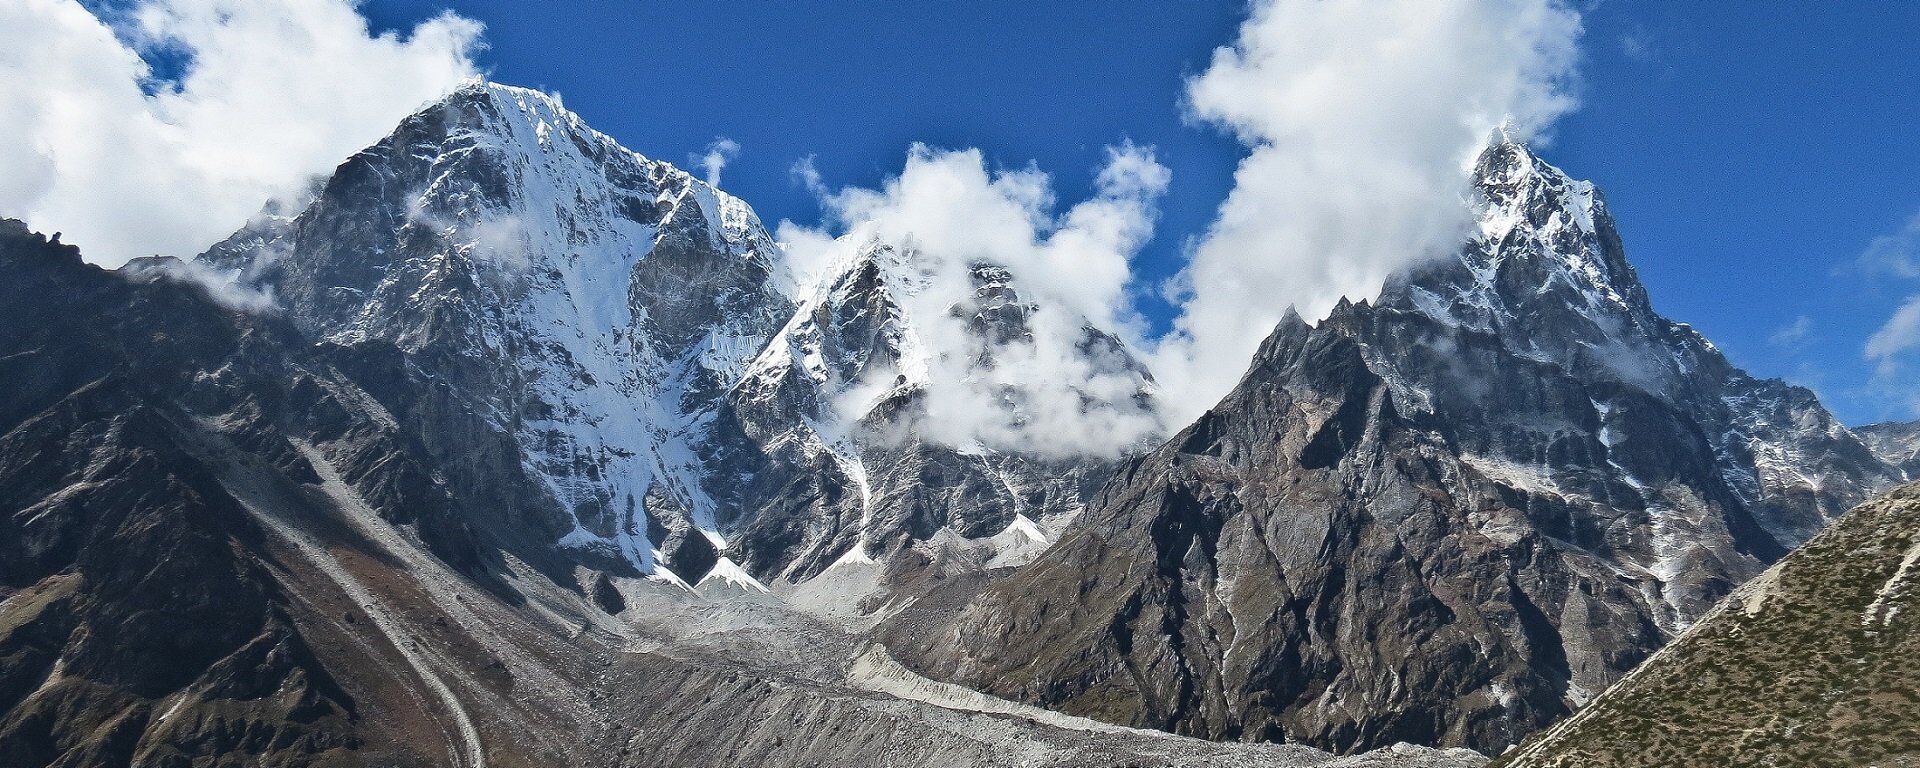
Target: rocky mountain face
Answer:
[[1450, 516], [513, 447], [837, 400], [625, 364], [1897, 443], [1812, 663], [183, 581], [221, 547]]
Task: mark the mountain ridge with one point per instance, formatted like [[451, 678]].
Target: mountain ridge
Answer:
[[226, 550], [539, 433], [623, 286], [1447, 516]]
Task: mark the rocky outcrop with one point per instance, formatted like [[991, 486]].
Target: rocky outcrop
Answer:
[[1896, 442], [1812, 663], [838, 398], [142, 622], [577, 306], [1448, 517], [219, 549]]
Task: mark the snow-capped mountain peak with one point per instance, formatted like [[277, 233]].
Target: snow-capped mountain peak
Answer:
[[494, 225], [642, 380]]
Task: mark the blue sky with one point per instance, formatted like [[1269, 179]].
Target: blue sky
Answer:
[[1750, 151]]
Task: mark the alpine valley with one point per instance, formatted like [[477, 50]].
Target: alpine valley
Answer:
[[508, 446]]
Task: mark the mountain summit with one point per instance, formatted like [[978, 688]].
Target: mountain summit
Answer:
[[625, 366], [1449, 516]]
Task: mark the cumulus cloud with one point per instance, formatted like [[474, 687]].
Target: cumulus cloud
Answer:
[[272, 93], [722, 151], [947, 214], [1362, 118]]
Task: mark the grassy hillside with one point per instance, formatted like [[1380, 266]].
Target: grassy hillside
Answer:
[[1815, 663]]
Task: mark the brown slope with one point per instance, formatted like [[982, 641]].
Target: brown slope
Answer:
[[1815, 663], [153, 614]]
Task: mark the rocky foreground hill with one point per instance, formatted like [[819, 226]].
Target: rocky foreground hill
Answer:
[[1814, 663]]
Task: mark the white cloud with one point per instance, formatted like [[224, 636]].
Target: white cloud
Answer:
[[946, 212], [722, 151], [1638, 46], [225, 288], [1362, 117], [1793, 336], [1890, 348], [808, 177], [1896, 254], [1899, 334], [274, 93]]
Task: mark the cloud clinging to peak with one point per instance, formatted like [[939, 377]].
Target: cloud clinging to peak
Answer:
[[722, 151], [1049, 392], [1361, 118], [273, 92]]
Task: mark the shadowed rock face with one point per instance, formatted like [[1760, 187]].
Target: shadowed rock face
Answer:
[[578, 307], [142, 622], [218, 548], [1449, 517], [1812, 663], [138, 627]]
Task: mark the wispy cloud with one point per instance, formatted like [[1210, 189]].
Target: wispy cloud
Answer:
[[1898, 334], [719, 153], [1895, 254], [273, 92], [1794, 336], [1638, 46], [1894, 257], [225, 288]]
